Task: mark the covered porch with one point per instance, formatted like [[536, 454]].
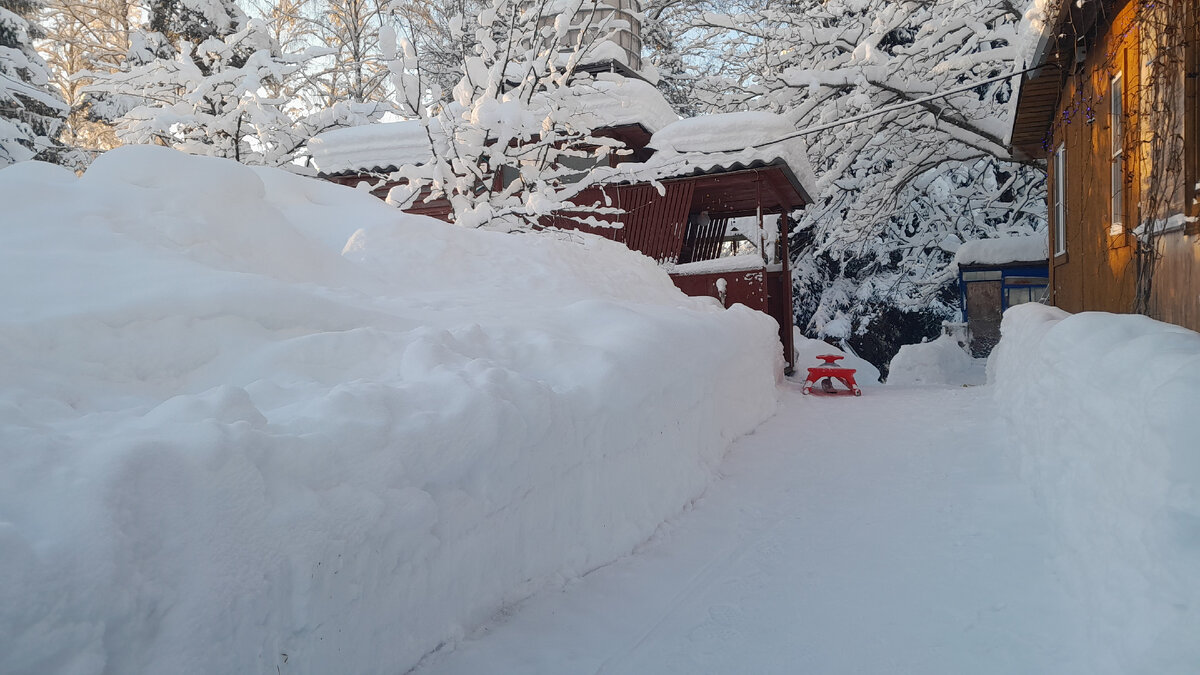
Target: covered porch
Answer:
[[720, 232]]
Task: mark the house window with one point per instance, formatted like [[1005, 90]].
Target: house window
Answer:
[[1116, 114], [1060, 200]]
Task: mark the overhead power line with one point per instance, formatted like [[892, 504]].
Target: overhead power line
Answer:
[[882, 111]]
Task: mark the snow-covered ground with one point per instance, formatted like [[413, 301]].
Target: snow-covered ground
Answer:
[[1048, 522], [1104, 406], [884, 534], [253, 422]]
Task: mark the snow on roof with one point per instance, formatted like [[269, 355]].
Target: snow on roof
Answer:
[[614, 100], [608, 100], [1035, 32], [370, 146], [606, 50], [721, 141], [1003, 250], [736, 263]]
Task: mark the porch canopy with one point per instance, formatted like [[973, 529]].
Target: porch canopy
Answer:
[[710, 170]]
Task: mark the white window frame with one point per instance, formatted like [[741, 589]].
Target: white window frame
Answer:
[[1116, 111], [1060, 200]]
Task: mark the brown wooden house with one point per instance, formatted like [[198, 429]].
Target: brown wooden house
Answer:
[[1113, 109]]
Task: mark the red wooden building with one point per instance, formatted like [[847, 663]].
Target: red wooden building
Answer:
[[719, 225]]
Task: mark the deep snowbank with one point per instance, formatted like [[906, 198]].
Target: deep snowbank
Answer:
[[1105, 408], [251, 422], [941, 361]]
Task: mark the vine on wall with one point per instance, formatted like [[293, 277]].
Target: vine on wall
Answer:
[[1164, 33]]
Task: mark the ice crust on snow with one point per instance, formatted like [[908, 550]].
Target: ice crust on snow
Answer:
[[1104, 407], [940, 361], [247, 414], [1003, 250]]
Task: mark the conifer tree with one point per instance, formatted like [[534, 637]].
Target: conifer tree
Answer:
[[31, 113]]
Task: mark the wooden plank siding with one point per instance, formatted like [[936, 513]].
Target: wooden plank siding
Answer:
[[703, 239], [1191, 133], [650, 223], [1175, 294], [779, 306], [1097, 271], [1177, 281], [748, 287], [656, 225]]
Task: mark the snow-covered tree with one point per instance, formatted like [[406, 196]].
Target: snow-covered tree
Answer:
[[847, 290], [207, 98], [354, 69], [433, 30], [226, 95], [507, 145], [31, 113], [897, 190], [86, 35], [195, 21]]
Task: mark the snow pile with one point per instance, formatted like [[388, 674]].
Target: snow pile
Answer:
[[1003, 250], [252, 422], [729, 140], [808, 349], [1105, 408], [942, 361]]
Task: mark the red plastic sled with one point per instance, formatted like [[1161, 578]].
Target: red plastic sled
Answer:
[[830, 372]]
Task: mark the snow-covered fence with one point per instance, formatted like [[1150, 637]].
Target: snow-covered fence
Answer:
[[256, 423], [1106, 409]]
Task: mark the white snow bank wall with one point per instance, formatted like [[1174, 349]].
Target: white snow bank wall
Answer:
[[252, 423], [1105, 409], [941, 361]]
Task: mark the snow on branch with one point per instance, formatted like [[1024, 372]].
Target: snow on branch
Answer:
[[511, 142]]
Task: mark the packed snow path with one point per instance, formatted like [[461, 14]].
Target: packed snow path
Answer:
[[883, 534]]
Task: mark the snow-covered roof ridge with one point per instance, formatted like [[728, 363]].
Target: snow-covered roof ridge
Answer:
[[1003, 250], [614, 100], [730, 139], [607, 100], [372, 146]]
